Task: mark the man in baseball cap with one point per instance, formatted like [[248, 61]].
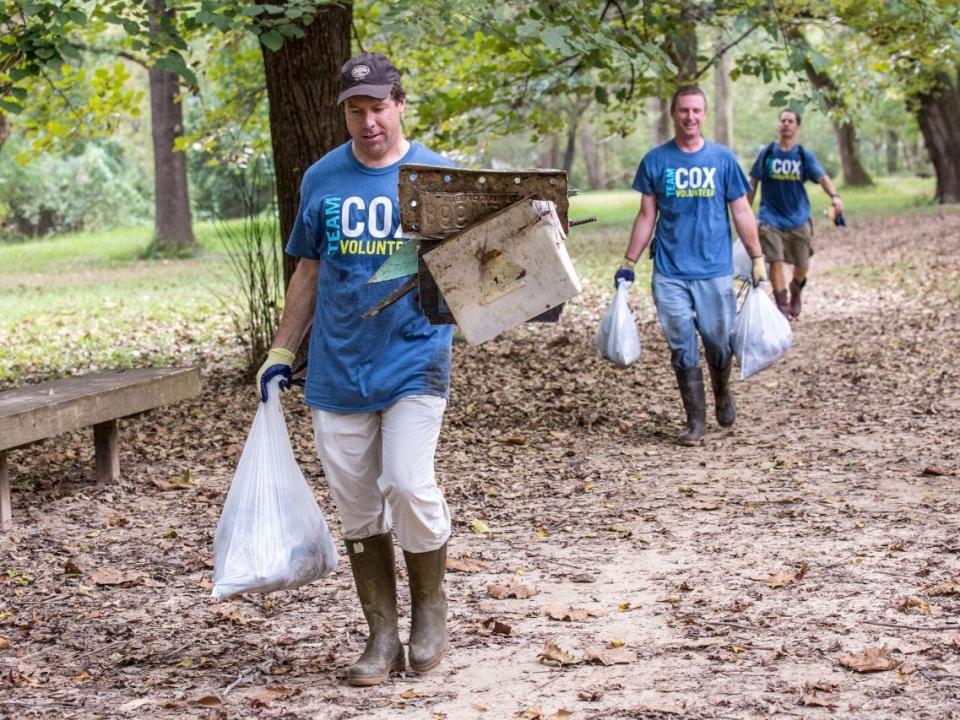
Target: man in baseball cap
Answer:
[[378, 387]]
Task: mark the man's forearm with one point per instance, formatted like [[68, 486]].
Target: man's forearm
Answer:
[[642, 228], [298, 306], [746, 226]]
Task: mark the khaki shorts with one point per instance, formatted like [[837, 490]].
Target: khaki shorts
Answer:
[[791, 245]]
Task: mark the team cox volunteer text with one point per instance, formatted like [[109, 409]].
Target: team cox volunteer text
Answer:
[[350, 218], [690, 182]]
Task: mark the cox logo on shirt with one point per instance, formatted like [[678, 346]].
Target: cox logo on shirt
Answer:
[[784, 169], [347, 220], [690, 182]]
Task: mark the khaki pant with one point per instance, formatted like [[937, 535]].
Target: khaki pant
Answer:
[[790, 245], [379, 467]]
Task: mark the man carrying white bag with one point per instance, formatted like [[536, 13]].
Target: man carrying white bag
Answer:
[[271, 534]]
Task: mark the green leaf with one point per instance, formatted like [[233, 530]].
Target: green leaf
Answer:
[[600, 93], [10, 106], [272, 40]]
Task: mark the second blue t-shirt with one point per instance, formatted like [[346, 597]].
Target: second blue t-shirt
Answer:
[[692, 239]]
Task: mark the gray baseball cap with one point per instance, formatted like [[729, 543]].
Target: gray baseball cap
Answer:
[[369, 74]]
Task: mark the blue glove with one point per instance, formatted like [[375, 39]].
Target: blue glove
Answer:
[[625, 272], [839, 220], [278, 362]]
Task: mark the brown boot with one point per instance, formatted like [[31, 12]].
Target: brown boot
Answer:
[[795, 289], [374, 573], [690, 381], [722, 397], [428, 622], [783, 305]]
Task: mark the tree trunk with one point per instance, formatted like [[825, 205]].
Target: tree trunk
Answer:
[[661, 128], [303, 81], [173, 229], [570, 151], [4, 129], [591, 158], [893, 151], [550, 154], [938, 112], [723, 97], [854, 172]]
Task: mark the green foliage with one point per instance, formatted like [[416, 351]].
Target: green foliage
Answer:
[[94, 188]]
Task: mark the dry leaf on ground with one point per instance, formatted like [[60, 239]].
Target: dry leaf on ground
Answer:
[[873, 659], [570, 614], [950, 587], [266, 695], [910, 603], [812, 700], [787, 577], [554, 653], [466, 565], [601, 655], [517, 590]]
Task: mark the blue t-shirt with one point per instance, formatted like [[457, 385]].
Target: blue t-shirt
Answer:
[[783, 200], [692, 240], [349, 220]]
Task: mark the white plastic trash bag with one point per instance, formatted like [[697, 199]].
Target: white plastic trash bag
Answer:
[[761, 333], [271, 535], [617, 337], [742, 263]]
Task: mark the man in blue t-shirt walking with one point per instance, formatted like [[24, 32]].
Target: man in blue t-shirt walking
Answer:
[[378, 387], [687, 184], [785, 226]]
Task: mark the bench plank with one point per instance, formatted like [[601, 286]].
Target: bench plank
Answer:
[[40, 411]]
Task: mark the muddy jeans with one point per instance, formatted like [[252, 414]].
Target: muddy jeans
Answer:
[[688, 307], [379, 467]]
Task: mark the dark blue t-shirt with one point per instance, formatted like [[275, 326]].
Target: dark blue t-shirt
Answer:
[[349, 220], [692, 240], [783, 200]]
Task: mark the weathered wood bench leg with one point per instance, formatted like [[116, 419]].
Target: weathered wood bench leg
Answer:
[[6, 514], [105, 450]]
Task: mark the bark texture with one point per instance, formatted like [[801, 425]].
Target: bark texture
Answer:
[[303, 81], [723, 97], [591, 158], [173, 228], [938, 112]]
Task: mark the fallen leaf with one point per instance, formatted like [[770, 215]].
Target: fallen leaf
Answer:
[[589, 695], [208, 701], [956, 640], [408, 694], [466, 565], [583, 578], [134, 704], [108, 575], [179, 483], [934, 470], [71, 569], [558, 612], [514, 440], [479, 527], [517, 590], [608, 655], [82, 678], [811, 700], [787, 577], [873, 659], [914, 602], [497, 627], [234, 614], [554, 653], [4, 643], [950, 587], [266, 695]]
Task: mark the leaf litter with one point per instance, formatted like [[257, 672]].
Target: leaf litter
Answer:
[[842, 464]]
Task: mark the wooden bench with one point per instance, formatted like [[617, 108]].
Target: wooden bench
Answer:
[[99, 399]]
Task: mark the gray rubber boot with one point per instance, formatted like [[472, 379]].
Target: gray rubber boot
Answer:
[[690, 381], [375, 576], [722, 397], [428, 623]]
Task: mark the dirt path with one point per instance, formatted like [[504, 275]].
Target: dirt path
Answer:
[[732, 580]]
